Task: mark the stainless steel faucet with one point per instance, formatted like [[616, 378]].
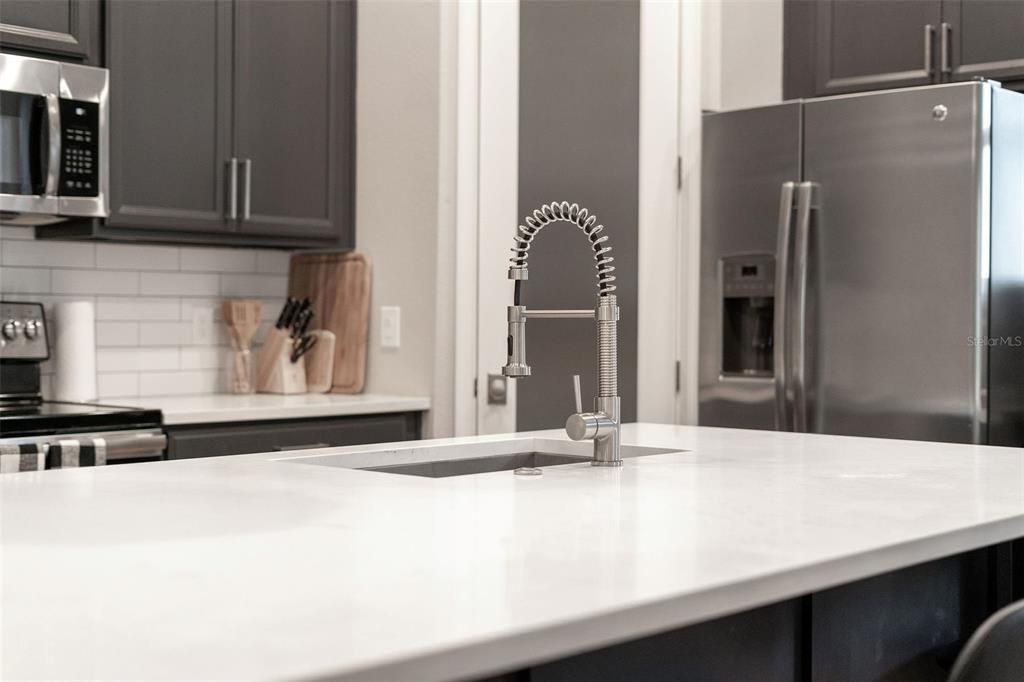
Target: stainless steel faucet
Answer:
[[602, 424]]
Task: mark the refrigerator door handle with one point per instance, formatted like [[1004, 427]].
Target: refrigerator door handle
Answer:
[[804, 203], [929, 37], [779, 333]]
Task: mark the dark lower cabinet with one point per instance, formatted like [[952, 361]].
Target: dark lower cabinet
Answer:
[[237, 438], [59, 29], [840, 46]]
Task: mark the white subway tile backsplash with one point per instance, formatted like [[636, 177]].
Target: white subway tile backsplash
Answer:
[[113, 334], [273, 262], [136, 359], [179, 284], [117, 385], [14, 232], [203, 308], [158, 308], [254, 286], [29, 252], [94, 282], [136, 257], [128, 308], [165, 333], [218, 260], [203, 358], [24, 280], [181, 383]]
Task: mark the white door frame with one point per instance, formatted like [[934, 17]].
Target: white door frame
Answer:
[[486, 206]]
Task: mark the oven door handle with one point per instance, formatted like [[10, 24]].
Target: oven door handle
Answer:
[[132, 445]]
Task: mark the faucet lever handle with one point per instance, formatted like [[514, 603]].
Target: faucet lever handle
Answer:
[[576, 389]]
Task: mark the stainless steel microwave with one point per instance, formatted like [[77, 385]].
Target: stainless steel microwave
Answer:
[[54, 141]]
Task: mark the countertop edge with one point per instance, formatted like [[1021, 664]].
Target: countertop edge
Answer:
[[533, 646]]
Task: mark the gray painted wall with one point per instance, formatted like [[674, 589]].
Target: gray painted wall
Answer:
[[578, 141]]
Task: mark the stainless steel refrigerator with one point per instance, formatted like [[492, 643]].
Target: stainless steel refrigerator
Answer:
[[862, 265]]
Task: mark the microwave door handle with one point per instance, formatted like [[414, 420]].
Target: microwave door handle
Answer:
[[805, 195], [779, 333], [54, 144]]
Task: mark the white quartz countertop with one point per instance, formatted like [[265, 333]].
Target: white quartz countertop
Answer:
[[227, 407], [255, 567]]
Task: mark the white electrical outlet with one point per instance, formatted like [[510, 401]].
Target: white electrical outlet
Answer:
[[390, 326], [204, 329]]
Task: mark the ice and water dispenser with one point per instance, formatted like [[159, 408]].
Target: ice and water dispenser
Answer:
[[748, 314]]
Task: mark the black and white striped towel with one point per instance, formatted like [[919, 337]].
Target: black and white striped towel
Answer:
[[22, 457], [79, 452]]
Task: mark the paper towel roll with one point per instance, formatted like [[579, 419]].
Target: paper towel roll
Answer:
[[74, 351]]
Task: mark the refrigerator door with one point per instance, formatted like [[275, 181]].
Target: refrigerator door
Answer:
[[747, 158], [897, 264]]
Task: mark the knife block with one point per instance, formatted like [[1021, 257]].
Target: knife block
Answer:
[[320, 364], [275, 371]]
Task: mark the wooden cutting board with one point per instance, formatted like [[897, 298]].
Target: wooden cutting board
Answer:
[[338, 285]]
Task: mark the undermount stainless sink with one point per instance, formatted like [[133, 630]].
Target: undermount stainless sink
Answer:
[[479, 465], [428, 460]]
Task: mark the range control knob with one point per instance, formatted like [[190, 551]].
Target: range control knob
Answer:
[[32, 328], [10, 329]]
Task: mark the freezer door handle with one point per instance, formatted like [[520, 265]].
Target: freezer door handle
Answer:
[[779, 333], [804, 204], [929, 38]]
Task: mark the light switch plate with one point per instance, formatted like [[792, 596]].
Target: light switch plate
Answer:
[[390, 326]]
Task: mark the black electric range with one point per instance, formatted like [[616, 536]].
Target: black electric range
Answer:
[[129, 433], [50, 417]]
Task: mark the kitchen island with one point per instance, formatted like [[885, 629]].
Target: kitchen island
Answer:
[[269, 567]]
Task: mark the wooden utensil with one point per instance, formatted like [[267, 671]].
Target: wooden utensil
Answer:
[[242, 317], [338, 285]]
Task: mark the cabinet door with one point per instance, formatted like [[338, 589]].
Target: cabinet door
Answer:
[[64, 29], [293, 117], [215, 440], [170, 108], [875, 44], [985, 38]]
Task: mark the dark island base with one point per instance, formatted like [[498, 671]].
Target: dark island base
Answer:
[[905, 625]]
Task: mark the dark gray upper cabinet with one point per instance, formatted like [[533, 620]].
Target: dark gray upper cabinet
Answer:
[[293, 85], [170, 114], [838, 46], [231, 122], [872, 44], [62, 29], [985, 38]]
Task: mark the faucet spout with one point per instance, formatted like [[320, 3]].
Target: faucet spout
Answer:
[[603, 424]]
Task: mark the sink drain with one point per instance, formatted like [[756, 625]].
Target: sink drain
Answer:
[[528, 471]]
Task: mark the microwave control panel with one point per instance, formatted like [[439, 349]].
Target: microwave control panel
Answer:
[[80, 148]]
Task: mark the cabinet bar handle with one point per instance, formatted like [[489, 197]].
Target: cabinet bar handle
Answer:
[[944, 48], [929, 38], [247, 189], [233, 189]]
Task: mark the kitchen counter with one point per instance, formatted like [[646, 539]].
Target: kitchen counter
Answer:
[[255, 567], [227, 407]]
